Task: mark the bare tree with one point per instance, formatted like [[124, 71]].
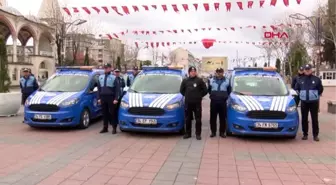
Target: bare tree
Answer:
[[130, 55], [155, 55]]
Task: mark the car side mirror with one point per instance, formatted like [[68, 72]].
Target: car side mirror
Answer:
[[293, 92], [95, 89]]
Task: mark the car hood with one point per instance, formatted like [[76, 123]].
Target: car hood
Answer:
[[54, 98], [272, 103], [151, 100]]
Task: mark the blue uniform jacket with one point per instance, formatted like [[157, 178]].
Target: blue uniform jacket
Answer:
[[130, 79], [108, 87], [295, 80], [310, 88], [28, 85], [219, 89], [121, 83]]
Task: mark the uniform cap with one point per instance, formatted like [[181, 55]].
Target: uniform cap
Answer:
[[135, 68], [301, 68], [307, 67], [117, 70], [25, 70], [107, 66], [219, 70]]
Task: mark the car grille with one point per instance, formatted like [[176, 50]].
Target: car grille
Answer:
[[266, 129], [150, 111], [43, 108], [266, 114]]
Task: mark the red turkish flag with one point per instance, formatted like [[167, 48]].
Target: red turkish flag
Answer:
[[168, 44], [249, 4], [189, 30], [206, 6], [164, 7], [145, 7], [125, 9], [182, 30], [261, 3], [154, 32], [216, 5], [86, 10], [116, 36], [175, 31], [185, 7], [273, 2], [163, 44], [240, 5], [175, 8], [135, 8], [196, 29], [203, 29], [96, 9], [286, 2], [218, 29], [195, 5], [152, 44], [105, 9], [109, 36], [75, 10], [154, 6], [157, 44], [298, 1], [147, 32], [116, 10], [135, 32], [232, 28], [228, 6], [67, 10], [207, 43]]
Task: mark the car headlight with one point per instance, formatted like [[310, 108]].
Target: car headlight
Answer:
[[292, 108], [173, 106], [70, 102], [27, 102], [237, 107], [123, 104]]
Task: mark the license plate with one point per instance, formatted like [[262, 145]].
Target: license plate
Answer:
[[266, 125], [146, 121], [42, 117]]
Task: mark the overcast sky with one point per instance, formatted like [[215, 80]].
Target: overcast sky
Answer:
[[159, 20]]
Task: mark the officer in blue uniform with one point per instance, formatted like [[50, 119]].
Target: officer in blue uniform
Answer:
[[108, 95], [310, 89], [121, 83], [219, 90], [130, 78], [28, 85], [295, 80]]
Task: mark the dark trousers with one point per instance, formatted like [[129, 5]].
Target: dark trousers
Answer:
[[116, 111], [108, 112], [297, 100], [219, 109], [24, 98], [196, 109], [311, 107]]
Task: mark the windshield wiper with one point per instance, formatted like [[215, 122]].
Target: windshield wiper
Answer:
[[41, 90], [133, 90], [239, 93]]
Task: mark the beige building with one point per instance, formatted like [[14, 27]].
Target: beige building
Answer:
[[183, 57], [210, 64]]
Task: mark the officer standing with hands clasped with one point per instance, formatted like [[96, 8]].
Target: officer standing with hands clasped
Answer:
[[219, 90], [193, 89], [108, 94], [310, 89], [295, 80], [130, 78], [28, 85], [121, 83]]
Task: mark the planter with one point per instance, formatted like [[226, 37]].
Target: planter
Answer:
[[10, 103]]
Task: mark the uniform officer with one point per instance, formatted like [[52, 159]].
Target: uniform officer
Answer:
[[108, 94], [219, 90], [310, 89], [28, 85], [295, 80], [193, 89], [121, 83], [130, 78]]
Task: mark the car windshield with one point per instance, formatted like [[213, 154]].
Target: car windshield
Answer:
[[66, 83], [259, 86], [157, 83]]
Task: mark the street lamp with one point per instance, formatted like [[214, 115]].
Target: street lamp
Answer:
[[317, 29]]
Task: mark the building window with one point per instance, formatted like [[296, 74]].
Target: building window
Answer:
[[42, 65], [14, 75]]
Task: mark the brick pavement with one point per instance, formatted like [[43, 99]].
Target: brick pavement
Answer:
[[84, 157]]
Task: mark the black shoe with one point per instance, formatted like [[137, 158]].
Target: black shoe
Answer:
[[305, 138], [104, 130], [198, 137], [114, 131], [223, 135], [187, 136], [316, 138], [213, 135]]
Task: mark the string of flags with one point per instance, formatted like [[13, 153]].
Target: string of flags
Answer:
[[208, 43], [126, 10], [178, 31]]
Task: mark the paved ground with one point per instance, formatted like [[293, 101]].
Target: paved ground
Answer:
[[73, 157]]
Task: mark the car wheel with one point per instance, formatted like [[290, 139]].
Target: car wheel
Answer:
[[84, 119], [182, 131]]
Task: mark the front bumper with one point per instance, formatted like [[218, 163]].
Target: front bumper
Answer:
[[171, 122], [242, 125], [62, 118]]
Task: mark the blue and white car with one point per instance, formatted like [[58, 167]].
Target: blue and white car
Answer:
[[68, 98], [260, 104], [153, 103]]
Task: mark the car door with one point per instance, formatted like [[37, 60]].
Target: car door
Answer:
[[92, 96]]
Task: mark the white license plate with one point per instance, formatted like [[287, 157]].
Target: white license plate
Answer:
[[42, 117], [266, 125], [146, 121]]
